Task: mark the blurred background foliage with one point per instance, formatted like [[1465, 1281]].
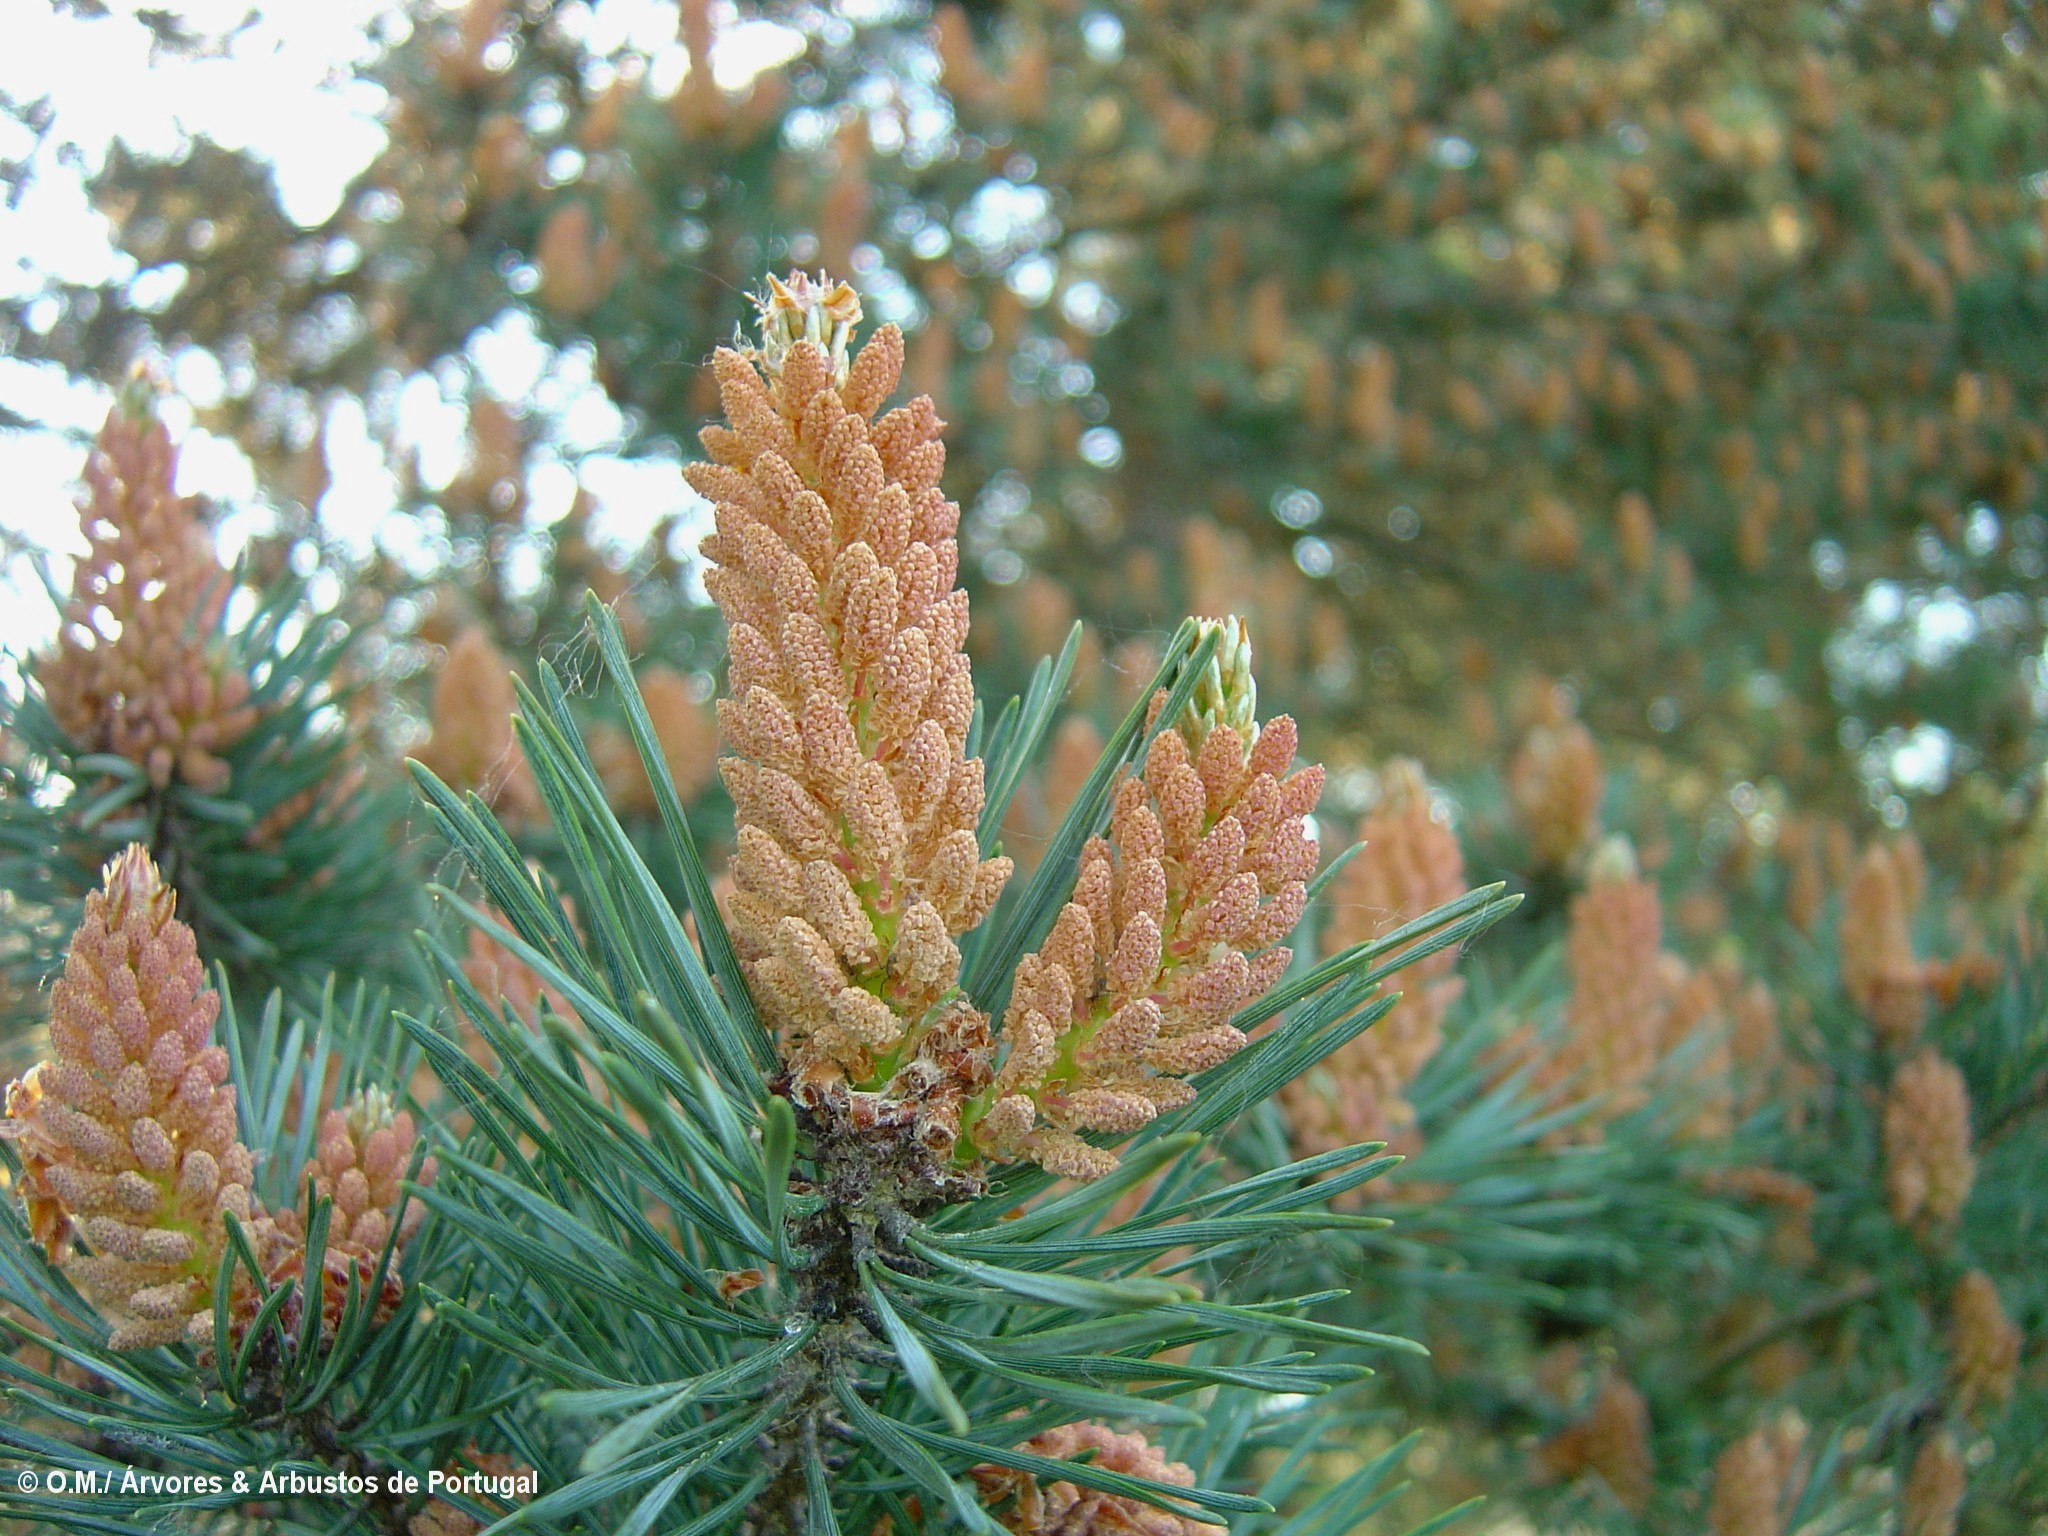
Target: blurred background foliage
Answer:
[[1633, 412], [1689, 356]]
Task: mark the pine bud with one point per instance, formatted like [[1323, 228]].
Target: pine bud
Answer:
[[822, 314], [1410, 864], [1026, 1508], [1174, 925], [158, 692], [1984, 1344], [1928, 1164], [127, 1134], [835, 564], [1933, 1495], [1225, 694]]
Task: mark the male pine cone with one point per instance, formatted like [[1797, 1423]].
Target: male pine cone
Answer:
[[128, 1137], [131, 1161], [835, 565], [136, 670], [1174, 925]]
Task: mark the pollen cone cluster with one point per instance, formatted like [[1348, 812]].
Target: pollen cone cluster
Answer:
[[1064, 1509], [1880, 972], [1614, 1018], [130, 1159], [363, 1154], [136, 670], [1410, 863], [1174, 925], [1928, 1165], [835, 564]]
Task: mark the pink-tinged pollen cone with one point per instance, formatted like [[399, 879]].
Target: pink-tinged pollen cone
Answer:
[[1175, 924], [137, 669], [360, 1162], [130, 1159]]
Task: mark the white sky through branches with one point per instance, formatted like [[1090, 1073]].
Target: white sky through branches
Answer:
[[283, 88]]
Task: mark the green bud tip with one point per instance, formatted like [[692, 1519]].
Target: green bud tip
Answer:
[[1226, 693], [818, 310]]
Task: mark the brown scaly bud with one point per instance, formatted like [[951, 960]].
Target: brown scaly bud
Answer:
[[1928, 1164], [1175, 923], [835, 564], [1555, 784], [473, 745], [1065, 1509], [1410, 864], [127, 1133], [1880, 973], [157, 692], [1612, 1442], [1933, 1495], [1756, 1481], [1984, 1344], [1613, 1020]]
